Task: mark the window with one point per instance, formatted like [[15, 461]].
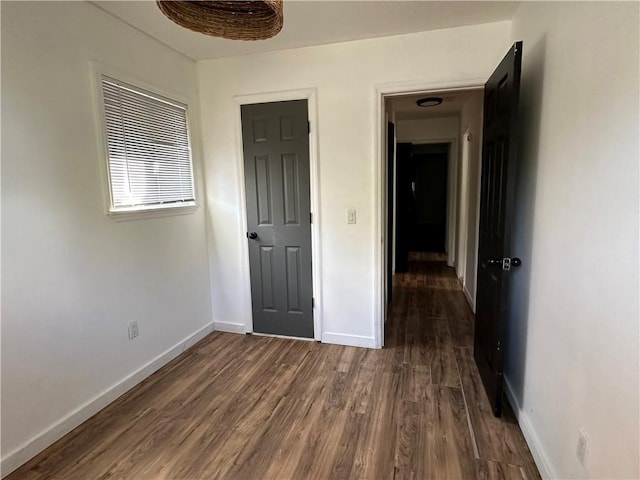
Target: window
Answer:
[[148, 151]]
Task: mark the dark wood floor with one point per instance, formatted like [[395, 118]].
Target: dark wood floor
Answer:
[[247, 407]]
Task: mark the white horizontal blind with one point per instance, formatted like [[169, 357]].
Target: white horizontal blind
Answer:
[[148, 148]]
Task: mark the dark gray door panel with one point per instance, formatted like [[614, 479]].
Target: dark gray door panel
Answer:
[[275, 140]]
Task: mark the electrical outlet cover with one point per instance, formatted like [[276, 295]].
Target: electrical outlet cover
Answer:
[[133, 330]]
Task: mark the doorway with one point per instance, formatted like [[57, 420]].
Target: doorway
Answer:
[[494, 204], [434, 207]]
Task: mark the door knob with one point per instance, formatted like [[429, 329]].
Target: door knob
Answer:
[[506, 262], [252, 235]]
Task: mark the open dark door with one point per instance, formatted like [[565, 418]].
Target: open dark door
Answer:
[[499, 162], [391, 150], [404, 201]]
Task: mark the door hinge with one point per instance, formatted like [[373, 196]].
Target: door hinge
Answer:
[[308, 127], [313, 302], [310, 217]]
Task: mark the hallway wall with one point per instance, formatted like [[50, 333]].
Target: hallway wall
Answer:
[[471, 120], [427, 129]]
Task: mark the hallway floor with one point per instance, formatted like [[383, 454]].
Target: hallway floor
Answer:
[[249, 407]]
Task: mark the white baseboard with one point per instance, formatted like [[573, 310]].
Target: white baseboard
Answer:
[[539, 455], [469, 298], [349, 340], [44, 439], [229, 327]]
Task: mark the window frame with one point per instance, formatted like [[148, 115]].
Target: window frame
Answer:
[[144, 211]]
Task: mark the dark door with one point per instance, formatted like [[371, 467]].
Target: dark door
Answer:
[[499, 157], [404, 202], [275, 138], [391, 150], [429, 193]]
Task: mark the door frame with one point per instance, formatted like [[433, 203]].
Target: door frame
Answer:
[[463, 228], [380, 177], [310, 95]]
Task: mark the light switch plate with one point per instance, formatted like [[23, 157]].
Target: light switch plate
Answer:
[[351, 216]]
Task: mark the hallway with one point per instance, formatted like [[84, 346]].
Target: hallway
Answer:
[[430, 331], [248, 407]]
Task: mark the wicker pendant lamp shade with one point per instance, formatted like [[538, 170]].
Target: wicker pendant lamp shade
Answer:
[[235, 20]]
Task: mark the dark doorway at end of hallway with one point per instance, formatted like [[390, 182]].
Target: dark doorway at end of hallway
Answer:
[[421, 216]]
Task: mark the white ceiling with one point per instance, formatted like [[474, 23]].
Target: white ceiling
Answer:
[[312, 22]]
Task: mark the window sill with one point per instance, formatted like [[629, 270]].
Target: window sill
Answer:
[[146, 213]]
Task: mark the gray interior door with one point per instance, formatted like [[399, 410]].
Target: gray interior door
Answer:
[[275, 138]]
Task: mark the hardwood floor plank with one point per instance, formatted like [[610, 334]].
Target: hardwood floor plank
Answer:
[[444, 370], [337, 391], [408, 449], [295, 353], [321, 446], [244, 407], [208, 434], [250, 428], [290, 417], [376, 447], [347, 446], [433, 440], [416, 383], [451, 452], [487, 470], [111, 450], [361, 388], [293, 447], [462, 329], [259, 453], [498, 439]]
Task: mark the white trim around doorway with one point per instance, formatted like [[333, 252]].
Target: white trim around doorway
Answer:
[[380, 173], [310, 95]]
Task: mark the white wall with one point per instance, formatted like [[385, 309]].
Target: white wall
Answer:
[[471, 121], [72, 278], [428, 129], [345, 76], [572, 359]]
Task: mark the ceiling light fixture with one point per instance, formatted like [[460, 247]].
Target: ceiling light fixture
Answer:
[[429, 102], [234, 20]]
